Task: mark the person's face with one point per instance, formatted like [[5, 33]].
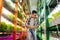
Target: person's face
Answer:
[[34, 15]]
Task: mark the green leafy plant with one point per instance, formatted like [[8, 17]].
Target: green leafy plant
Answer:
[[56, 14], [50, 19], [3, 27], [9, 27], [18, 29], [53, 15], [19, 14], [18, 20], [11, 15]]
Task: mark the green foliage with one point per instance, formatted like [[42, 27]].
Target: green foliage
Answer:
[[19, 14], [9, 27], [50, 19], [56, 14], [18, 21], [53, 15], [18, 29], [3, 27], [11, 16]]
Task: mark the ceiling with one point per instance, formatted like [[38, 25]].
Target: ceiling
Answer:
[[33, 4]]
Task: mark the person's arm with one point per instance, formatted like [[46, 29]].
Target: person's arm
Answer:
[[26, 23], [34, 27], [37, 23]]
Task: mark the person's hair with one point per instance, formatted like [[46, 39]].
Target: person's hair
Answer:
[[34, 12]]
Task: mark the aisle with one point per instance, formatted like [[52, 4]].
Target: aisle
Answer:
[[17, 16]]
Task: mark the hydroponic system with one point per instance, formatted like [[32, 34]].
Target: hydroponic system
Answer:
[[49, 17], [11, 20], [13, 16]]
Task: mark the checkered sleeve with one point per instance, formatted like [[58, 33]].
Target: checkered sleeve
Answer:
[[26, 23]]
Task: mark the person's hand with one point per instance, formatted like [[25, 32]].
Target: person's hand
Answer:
[[33, 27]]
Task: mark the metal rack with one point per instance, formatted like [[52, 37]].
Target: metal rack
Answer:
[[14, 8], [47, 6]]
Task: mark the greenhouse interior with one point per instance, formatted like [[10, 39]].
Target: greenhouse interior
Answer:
[[15, 23]]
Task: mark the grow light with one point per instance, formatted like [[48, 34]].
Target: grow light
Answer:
[[6, 12], [11, 5], [20, 0], [9, 2]]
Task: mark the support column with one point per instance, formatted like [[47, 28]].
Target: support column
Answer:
[[1, 5], [15, 19], [39, 16], [46, 20], [21, 32]]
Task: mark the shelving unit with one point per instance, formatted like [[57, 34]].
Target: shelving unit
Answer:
[[49, 22], [11, 14]]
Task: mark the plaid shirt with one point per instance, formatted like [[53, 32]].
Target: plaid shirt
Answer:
[[31, 21]]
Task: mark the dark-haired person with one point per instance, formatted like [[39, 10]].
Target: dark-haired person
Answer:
[[32, 23]]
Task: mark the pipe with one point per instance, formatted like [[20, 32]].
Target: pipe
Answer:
[[15, 19], [1, 5]]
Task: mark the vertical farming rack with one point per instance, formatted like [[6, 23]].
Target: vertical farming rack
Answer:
[[48, 14], [11, 19]]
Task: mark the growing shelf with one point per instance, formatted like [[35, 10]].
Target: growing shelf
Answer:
[[7, 14]]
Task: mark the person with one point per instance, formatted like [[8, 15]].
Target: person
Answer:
[[32, 24]]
